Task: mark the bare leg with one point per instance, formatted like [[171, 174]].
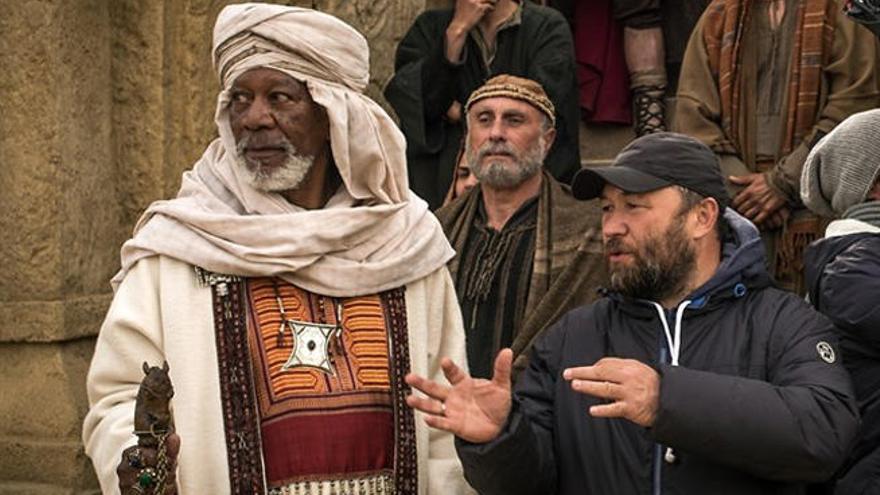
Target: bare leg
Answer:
[[645, 56]]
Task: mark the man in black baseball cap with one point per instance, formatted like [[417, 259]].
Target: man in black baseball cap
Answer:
[[656, 161], [693, 375], [659, 187]]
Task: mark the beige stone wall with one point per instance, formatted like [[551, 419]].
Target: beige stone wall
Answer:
[[103, 103]]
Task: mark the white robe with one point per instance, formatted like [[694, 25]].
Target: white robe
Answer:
[[161, 313]]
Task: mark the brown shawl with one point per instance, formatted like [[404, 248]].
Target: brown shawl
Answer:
[[723, 37], [568, 266], [723, 33]]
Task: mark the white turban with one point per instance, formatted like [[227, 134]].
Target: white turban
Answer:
[[333, 60], [372, 235]]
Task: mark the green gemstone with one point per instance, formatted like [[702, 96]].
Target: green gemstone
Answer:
[[145, 479]]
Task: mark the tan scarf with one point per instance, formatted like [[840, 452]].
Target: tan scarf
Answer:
[[373, 235], [568, 265]]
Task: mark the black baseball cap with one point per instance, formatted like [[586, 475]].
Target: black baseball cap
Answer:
[[865, 12], [656, 161]]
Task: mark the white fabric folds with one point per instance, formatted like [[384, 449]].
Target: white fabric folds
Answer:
[[373, 234]]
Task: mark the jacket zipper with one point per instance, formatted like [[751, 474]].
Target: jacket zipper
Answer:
[[657, 470]]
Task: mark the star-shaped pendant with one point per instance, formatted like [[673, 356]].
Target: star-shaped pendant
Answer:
[[311, 346]]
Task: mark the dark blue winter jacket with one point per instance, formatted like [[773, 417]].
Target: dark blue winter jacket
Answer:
[[843, 277], [759, 402]]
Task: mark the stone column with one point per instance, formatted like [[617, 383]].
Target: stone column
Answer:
[[60, 222]]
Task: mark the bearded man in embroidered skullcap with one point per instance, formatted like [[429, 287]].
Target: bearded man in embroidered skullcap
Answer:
[[527, 251], [290, 286]]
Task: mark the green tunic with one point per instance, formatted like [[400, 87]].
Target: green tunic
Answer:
[[849, 84]]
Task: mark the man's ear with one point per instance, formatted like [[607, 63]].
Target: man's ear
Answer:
[[549, 138], [706, 214]]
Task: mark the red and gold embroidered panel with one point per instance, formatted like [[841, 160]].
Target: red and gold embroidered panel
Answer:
[[360, 363], [314, 423]]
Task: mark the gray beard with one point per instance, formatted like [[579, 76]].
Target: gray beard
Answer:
[[287, 177], [498, 175]]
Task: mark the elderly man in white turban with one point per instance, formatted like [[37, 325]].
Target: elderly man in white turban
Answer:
[[290, 286]]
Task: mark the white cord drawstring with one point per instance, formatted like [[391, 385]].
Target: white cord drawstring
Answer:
[[674, 341]]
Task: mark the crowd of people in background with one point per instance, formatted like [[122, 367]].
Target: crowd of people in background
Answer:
[[780, 91]]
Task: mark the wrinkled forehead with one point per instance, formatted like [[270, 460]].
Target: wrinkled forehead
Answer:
[[502, 105], [267, 77]]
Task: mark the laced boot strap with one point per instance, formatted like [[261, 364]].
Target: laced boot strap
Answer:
[[648, 88], [649, 109]]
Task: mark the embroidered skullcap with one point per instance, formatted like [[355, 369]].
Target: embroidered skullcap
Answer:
[[843, 167], [333, 60], [518, 88]]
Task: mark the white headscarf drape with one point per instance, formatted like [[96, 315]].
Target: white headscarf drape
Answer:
[[373, 234]]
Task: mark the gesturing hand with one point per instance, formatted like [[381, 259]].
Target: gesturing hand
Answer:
[[472, 408], [758, 201], [632, 386]]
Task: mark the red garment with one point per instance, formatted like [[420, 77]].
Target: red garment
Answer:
[[317, 425], [328, 446], [603, 79]]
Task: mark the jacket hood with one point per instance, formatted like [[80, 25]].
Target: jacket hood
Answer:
[[743, 262], [823, 251]]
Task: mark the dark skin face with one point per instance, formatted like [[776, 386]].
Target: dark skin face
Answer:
[[268, 107]]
